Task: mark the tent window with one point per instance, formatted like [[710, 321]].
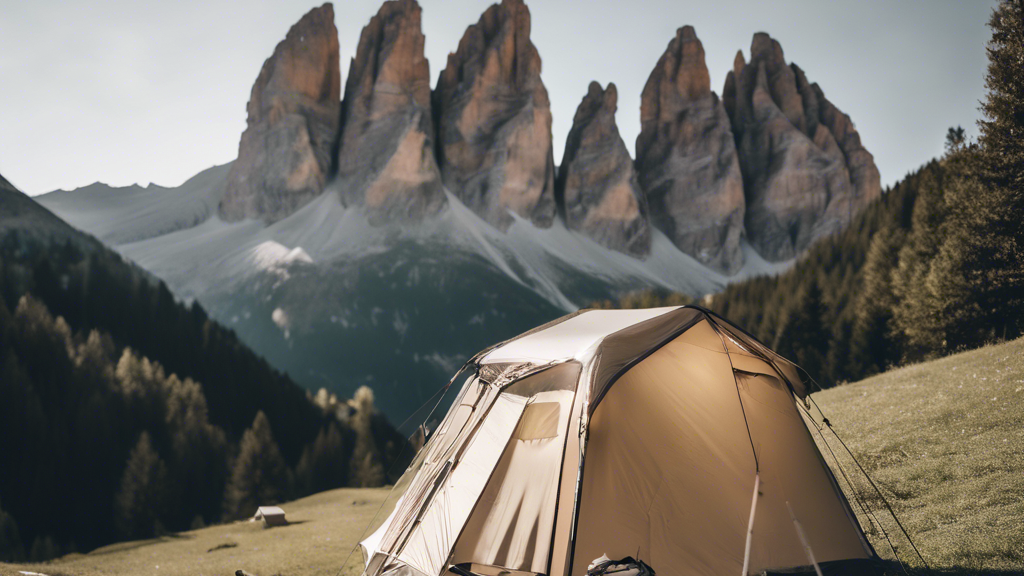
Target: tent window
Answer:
[[539, 421]]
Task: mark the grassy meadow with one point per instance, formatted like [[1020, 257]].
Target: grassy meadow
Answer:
[[944, 440]]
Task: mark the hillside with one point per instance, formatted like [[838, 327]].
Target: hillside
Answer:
[[125, 412], [944, 440], [336, 301]]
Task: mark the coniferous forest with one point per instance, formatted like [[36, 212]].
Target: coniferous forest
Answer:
[[933, 267], [125, 413]]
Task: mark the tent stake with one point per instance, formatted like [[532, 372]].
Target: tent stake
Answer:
[[750, 525], [803, 539]]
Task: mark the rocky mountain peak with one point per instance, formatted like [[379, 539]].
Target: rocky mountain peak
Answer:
[[284, 156], [386, 157], [494, 120], [686, 157], [805, 171], [692, 79], [738, 63], [597, 189]]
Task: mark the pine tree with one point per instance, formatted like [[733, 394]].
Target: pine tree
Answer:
[[139, 504], [803, 337], [199, 466], [968, 288], [978, 275], [873, 347], [260, 475], [324, 464], [367, 467], [955, 139], [914, 317], [1002, 132]]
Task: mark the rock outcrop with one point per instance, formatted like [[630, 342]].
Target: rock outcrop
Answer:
[[494, 121], [686, 158], [285, 154], [597, 190], [805, 171], [386, 159]]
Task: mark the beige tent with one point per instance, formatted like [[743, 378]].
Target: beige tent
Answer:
[[667, 434]]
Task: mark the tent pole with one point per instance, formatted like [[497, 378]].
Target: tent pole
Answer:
[[750, 525], [803, 539]]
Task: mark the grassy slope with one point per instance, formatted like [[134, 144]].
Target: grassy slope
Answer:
[[323, 529], [943, 439]]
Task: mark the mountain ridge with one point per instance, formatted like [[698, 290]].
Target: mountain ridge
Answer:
[[500, 243], [711, 169]]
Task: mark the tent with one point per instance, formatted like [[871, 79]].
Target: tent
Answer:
[[668, 435]]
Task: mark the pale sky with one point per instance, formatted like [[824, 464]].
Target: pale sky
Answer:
[[139, 91]]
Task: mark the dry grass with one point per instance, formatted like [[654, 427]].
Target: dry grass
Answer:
[[944, 440], [323, 529]]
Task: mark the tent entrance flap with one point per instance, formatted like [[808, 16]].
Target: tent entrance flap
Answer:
[[513, 521]]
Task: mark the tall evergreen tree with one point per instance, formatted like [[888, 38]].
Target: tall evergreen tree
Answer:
[[803, 337], [260, 476], [914, 317], [874, 346], [980, 267], [324, 464], [140, 501], [367, 466]]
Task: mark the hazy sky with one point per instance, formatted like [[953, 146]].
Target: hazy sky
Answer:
[[154, 91]]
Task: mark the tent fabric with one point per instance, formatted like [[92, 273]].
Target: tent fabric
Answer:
[[568, 339], [619, 433], [668, 471]]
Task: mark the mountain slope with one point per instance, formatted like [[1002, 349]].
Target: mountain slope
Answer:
[[338, 302], [92, 286], [123, 411]]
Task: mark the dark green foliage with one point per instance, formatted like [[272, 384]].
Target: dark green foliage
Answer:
[[141, 500], [1001, 140], [260, 476], [324, 464], [802, 335], [955, 139], [874, 344]]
